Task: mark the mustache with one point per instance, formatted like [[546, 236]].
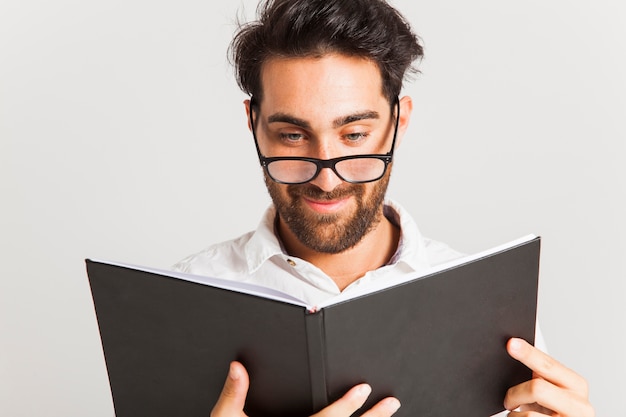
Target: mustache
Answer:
[[313, 192]]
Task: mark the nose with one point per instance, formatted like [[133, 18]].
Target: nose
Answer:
[[326, 180]]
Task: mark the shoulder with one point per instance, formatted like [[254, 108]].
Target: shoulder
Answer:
[[236, 258], [415, 249], [218, 260], [440, 252]]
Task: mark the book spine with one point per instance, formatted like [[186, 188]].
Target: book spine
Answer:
[[314, 324]]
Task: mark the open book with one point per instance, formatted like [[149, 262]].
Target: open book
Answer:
[[436, 341]]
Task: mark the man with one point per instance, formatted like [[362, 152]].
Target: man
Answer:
[[324, 77]]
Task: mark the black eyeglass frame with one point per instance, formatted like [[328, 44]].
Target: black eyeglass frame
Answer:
[[324, 163]]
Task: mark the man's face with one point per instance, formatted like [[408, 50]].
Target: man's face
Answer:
[[325, 108]]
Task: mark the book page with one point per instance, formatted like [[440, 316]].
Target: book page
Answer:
[[238, 286]]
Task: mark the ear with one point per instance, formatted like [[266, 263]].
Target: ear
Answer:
[[406, 108], [246, 103]]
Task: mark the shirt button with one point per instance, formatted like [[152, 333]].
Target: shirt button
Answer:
[[291, 262]]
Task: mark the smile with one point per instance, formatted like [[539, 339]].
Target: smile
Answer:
[[326, 206]]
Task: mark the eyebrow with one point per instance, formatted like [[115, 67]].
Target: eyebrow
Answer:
[[339, 122], [342, 121], [286, 118]]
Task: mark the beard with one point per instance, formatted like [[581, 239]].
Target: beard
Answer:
[[329, 233]]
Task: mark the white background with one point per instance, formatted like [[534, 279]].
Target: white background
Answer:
[[123, 136]]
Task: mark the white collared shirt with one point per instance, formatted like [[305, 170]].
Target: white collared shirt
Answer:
[[259, 257]]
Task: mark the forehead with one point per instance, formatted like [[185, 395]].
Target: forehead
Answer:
[[337, 82]]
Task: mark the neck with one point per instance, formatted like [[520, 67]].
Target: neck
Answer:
[[373, 251]]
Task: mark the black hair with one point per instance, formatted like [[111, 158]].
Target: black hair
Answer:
[[371, 29]]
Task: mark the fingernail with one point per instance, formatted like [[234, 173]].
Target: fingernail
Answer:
[[233, 372], [516, 344], [364, 390], [392, 404]]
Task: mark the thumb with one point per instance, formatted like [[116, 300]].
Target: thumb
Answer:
[[233, 396]]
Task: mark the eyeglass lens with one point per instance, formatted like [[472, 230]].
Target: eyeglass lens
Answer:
[[353, 170]]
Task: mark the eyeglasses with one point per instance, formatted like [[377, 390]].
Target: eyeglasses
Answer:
[[356, 169]]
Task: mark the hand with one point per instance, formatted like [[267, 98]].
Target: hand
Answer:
[[233, 398], [554, 390]]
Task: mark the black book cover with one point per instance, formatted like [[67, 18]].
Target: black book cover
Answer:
[[437, 342]]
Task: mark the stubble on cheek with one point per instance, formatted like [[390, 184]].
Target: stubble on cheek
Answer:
[[329, 233]]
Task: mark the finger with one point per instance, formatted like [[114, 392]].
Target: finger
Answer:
[[384, 408], [233, 396], [539, 395], [529, 413], [536, 408], [546, 367], [354, 399], [348, 404]]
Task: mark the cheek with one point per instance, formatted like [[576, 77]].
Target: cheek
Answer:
[[278, 192], [375, 191]]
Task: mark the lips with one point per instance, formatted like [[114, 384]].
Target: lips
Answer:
[[326, 206]]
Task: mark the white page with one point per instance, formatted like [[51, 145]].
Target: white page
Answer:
[[238, 286]]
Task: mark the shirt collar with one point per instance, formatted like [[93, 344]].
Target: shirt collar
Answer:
[[411, 250], [264, 244]]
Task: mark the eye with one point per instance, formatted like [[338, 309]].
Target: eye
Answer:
[[291, 137], [356, 137]]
